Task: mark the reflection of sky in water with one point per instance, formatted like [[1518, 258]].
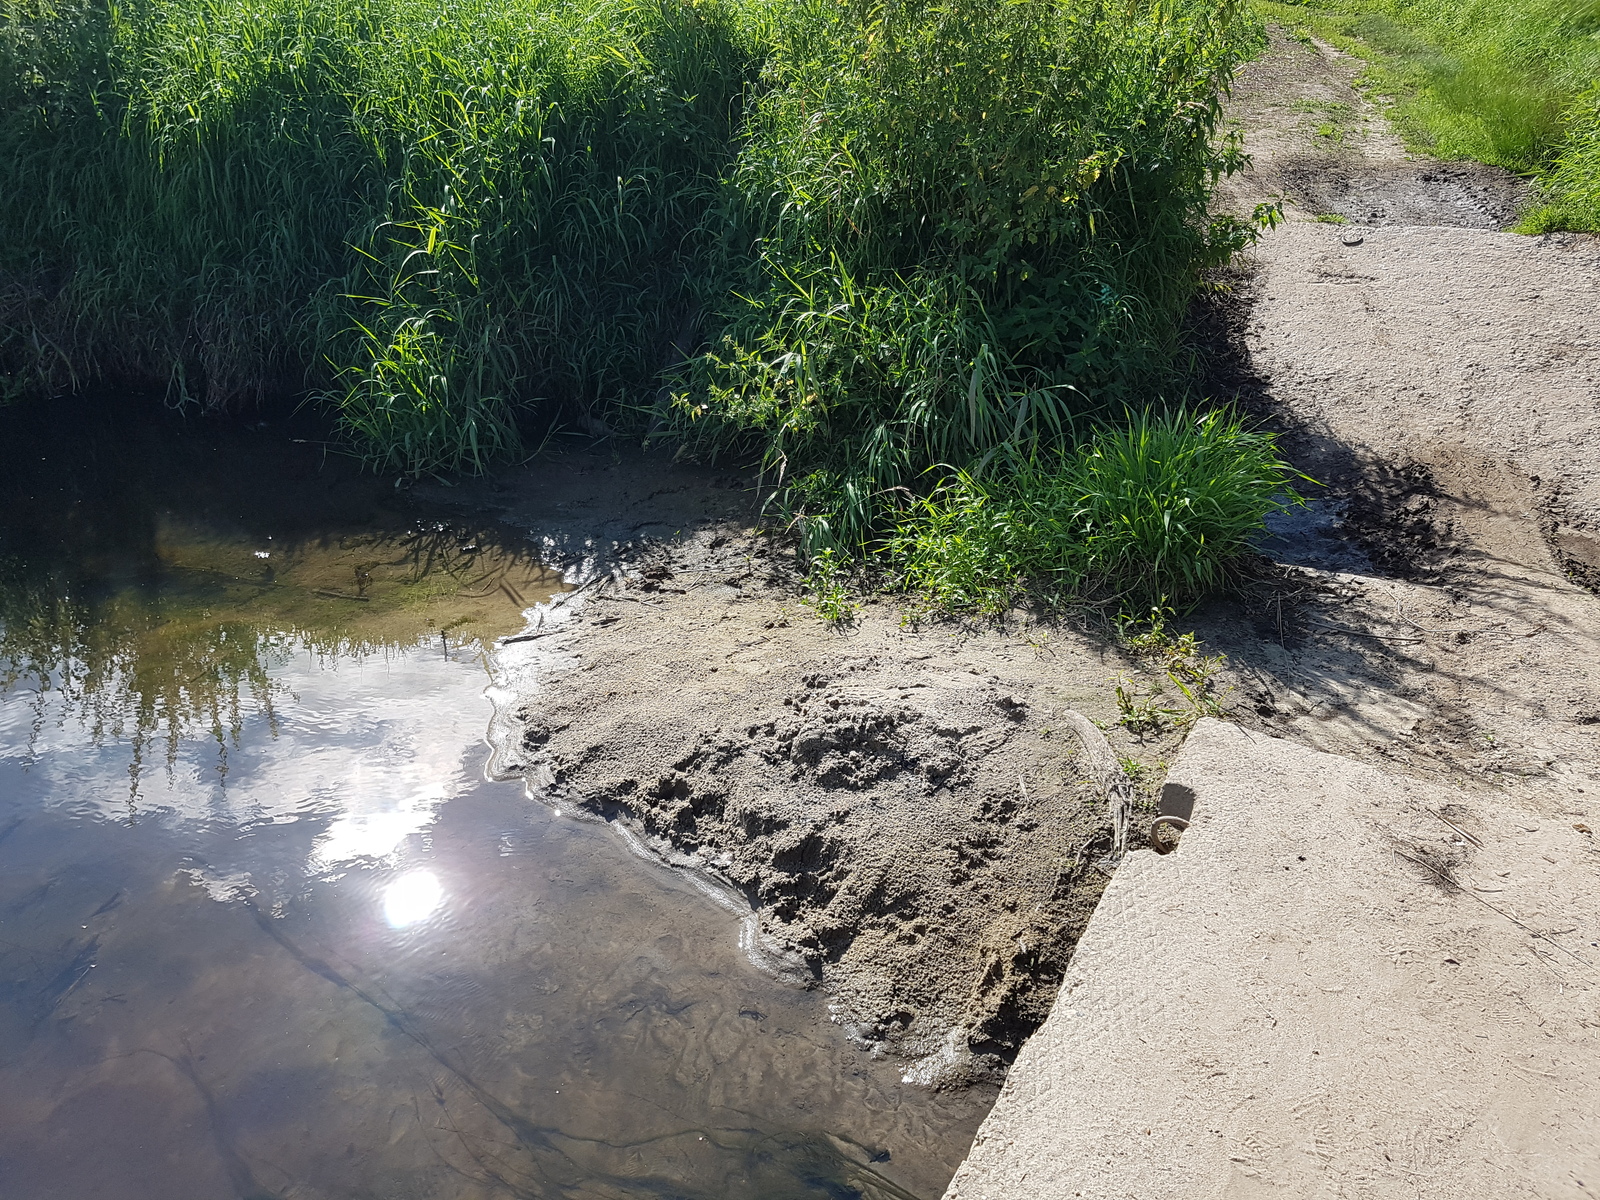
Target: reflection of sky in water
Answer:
[[370, 747], [267, 929], [394, 979]]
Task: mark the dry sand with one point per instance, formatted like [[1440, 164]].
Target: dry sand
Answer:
[[1344, 983]]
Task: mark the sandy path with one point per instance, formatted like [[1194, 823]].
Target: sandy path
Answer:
[[1444, 383]]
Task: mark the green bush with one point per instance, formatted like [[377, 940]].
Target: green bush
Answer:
[[976, 223], [908, 232], [1158, 511]]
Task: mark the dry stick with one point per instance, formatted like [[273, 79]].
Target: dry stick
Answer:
[[1377, 637], [1400, 609], [1113, 780], [1445, 879], [1470, 837]]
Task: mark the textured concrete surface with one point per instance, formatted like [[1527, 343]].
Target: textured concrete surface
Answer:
[[1343, 983]]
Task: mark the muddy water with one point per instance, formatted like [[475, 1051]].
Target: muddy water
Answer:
[[267, 928]]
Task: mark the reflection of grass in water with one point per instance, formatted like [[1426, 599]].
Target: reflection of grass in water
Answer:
[[132, 672], [365, 591], [190, 654]]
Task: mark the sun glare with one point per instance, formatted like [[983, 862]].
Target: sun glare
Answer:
[[411, 898]]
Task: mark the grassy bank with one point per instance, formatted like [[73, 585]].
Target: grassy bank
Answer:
[[1515, 83], [873, 215], [870, 243], [430, 217]]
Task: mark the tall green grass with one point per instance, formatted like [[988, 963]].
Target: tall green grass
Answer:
[[859, 238], [432, 216], [1160, 510], [1574, 180], [1507, 82]]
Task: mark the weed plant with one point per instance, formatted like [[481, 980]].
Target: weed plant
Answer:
[[1158, 510], [1508, 82], [857, 237]]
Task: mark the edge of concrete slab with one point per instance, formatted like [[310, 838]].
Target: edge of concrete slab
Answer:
[[1342, 983]]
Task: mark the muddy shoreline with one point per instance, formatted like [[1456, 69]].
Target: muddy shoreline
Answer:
[[899, 804]]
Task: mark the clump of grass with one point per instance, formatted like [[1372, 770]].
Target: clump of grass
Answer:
[[1506, 82], [1572, 199], [1160, 509]]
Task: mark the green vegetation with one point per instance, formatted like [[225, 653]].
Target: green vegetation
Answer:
[[1574, 181], [1160, 510], [877, 216], [431, 216], [977, 223], [875, 243], [1178, 663], [1515, 83]]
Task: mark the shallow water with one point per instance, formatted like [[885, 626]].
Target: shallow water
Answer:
[[267, 929]]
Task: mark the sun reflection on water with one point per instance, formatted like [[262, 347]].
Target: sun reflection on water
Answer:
[[411, 898]]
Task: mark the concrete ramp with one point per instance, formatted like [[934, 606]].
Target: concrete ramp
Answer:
[[1343, 984]]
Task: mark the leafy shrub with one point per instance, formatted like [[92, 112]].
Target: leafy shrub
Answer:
[[1158, 510], [976, 222]]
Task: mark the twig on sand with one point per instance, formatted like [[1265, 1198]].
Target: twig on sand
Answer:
[[1450, 882], [1470, 837], [1377, 637], [1113, 780]]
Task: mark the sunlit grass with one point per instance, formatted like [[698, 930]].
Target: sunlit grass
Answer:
[[1156, 510], [1506, 82]]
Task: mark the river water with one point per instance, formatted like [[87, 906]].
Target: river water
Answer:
[[267, 927]]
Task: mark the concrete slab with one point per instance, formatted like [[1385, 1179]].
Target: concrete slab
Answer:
[[1300, 1002]]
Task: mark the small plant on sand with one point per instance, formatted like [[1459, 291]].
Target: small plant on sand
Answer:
[[828, 591], [1184, 690], [1163, 506]]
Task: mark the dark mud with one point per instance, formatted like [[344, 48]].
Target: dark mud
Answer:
[[1425, 192]]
